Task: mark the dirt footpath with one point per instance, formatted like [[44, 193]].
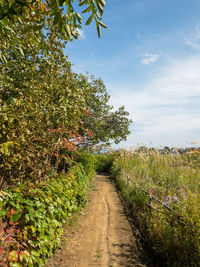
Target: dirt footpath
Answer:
[[102, 236]]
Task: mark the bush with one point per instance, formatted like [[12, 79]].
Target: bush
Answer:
[[88, 160], [104, 162], [31, 217]]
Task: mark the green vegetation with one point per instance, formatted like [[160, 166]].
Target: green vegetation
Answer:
[[33, 216], [174, 237], [49, 117], [192, 159], [104, 162], [46, 122], [106, 125], [37, 117], [38, 18], [46, 112]]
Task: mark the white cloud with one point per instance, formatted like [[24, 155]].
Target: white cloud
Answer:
[[81, 34], [193, 38], [167, 109], [149, 58]]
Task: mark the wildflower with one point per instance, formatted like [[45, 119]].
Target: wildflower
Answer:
[[175, 200], [171, 199], [167, 200]]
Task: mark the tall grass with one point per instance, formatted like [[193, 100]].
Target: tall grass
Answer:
[[175, 180]]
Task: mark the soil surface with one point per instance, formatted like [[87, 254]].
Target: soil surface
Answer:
[[102, 235]]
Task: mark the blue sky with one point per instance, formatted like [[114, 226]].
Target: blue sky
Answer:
[[149, 60]]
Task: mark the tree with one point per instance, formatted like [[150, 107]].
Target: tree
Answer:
[[105, 124], [37, 16], [41, 107], [45, 108], [42, 104]]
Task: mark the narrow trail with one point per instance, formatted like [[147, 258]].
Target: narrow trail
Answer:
[[102, 236]]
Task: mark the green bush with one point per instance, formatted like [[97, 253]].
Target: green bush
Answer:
[[89, 162], [31, 217], [104, 162]]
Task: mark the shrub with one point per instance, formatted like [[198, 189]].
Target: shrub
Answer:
[[104, 162], [31, 217], [88, 160]]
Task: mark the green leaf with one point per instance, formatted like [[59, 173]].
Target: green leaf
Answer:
[[9, 29], [35, 255], [83, 3], [11, 2], [86, 10], [79, 18], [102, 2], [68, 30], [56, 18], [15, 264], [89, 20], [29, 202], [102, 24], [15, 217], [37, 27], [21, 51], [5, 21], [100, 8], [75, 35], [13, 255], [25, 256]]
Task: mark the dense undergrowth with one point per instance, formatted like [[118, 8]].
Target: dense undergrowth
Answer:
[[31, 217], [104, 162], [172, 237]]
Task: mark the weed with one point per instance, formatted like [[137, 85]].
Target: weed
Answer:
[[175, 238], [99, 254]]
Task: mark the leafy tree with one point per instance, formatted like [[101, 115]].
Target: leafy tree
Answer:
[[105, 124], [46, 110], [40, 108], [37, 17]]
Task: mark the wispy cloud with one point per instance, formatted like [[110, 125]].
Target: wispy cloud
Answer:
[[166, 110], [193, 38], [149, 58]]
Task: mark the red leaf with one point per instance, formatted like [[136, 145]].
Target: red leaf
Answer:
[[12, 211], [23, 243], [8, 214], [9, 238]]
